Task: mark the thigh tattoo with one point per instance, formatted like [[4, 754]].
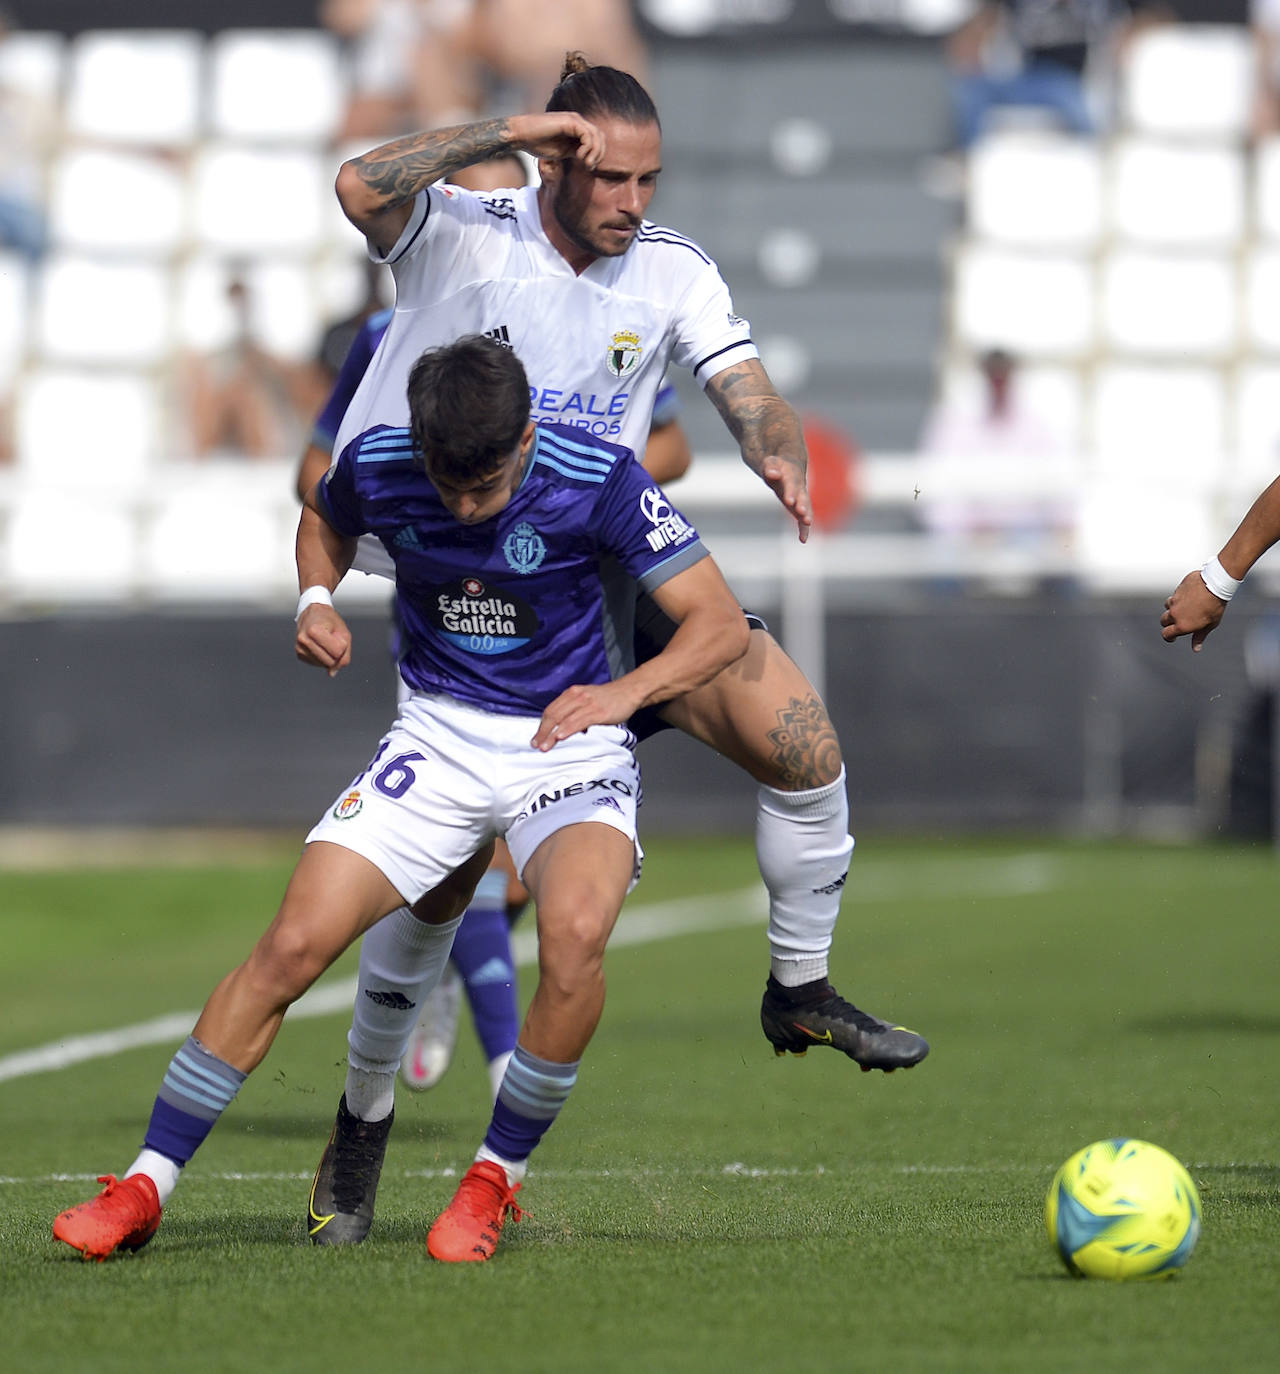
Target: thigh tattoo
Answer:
[[806, 752]]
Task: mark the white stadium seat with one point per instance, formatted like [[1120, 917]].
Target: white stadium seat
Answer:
[[251, 200], [1035, 304], [1035, 190], [217, 520], [283, 300], [1176, 195], [1256, 421], [33, 61], [87, 430], [1262, 299], [1146, 417], [1266, 187], [1189, 80], [1168, 304], [15, 301], [276, 84], [65, 546], [136, 86], [117, 200], [94, 311]]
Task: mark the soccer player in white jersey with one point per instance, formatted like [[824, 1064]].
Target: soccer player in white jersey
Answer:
[[597, 301], [505, 536]]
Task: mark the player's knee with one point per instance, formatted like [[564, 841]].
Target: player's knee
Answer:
[[284, 964]]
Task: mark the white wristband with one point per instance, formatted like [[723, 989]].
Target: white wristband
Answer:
[[310, 597], [1219, 580]]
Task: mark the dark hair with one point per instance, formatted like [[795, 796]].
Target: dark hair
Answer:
[[468, 407], [601, 91]]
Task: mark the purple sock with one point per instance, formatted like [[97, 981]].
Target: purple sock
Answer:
[[482, 955]]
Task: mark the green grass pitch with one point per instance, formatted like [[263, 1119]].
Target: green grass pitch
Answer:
[[700, 1205]]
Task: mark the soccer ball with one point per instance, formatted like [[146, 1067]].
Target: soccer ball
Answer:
[[1123, 1209]]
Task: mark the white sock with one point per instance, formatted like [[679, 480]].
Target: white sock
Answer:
[[803, 847], [401, 960], [497, 1070], [160, 1169], [515, 1169]]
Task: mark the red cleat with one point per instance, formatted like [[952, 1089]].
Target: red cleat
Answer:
[[124, 1216], [469, 1227]]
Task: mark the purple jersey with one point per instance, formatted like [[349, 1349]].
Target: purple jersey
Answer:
[[508, 613]]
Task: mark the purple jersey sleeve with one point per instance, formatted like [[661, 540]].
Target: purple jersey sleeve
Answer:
[[354, 366]]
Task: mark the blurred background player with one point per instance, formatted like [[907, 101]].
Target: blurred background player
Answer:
[[481, 963]]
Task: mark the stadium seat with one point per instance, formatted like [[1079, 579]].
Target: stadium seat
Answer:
[[116, 200], [1054, 394], [285, 85], [33, 61], [1145, 418], [284, 305], [1262, 299], [1256, 421], [218, 533], [15, 297], [1266, 188], [252, 200], [1035, 191], [94, 311], [1189, 80], [135, 85], [67, 547], [1168, 194], [1167, 304], [87, 430], [1035, 304], [1131, 538]]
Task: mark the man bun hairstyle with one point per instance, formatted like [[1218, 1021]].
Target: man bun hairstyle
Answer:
[[601, 92], [468, 407]]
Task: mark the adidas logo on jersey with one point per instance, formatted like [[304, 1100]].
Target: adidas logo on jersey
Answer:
[[499, 335]]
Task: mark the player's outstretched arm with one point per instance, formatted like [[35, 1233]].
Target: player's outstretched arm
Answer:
[[376, 189], [768, 433], [1196, 607], [711, 634], [323, 639]]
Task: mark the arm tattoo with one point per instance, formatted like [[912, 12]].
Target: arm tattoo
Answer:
[[761, 422], [400, 169], [806, 752]]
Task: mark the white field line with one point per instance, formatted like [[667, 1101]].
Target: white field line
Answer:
[[874, 881], [733, 1170]]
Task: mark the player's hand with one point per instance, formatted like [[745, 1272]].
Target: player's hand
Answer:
[[578, 707], [560, 133], [1191, 610], [786, 478], [323, 639]]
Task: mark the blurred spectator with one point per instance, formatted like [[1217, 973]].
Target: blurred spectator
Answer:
[[1040, 54], [992, 424], [240, 401], [423, 64], [1264, 19], [27, 131], [341, 334]]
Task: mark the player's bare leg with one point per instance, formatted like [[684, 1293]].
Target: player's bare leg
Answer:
[[332, 897], [763, 713]]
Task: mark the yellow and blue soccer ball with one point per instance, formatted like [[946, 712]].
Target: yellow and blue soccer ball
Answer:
[[1123, 1209]]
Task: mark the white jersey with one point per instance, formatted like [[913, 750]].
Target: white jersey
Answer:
[[595, 345]]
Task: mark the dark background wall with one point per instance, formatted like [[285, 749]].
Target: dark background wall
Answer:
[[965, 715]]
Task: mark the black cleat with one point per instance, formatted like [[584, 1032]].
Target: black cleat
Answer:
[[795, 1019], [340, 1211]]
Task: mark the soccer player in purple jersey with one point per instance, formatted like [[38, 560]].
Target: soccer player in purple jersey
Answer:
[[598, 300], [503, 534], [482, 963]]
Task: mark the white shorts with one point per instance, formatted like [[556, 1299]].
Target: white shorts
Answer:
[[448, 777]]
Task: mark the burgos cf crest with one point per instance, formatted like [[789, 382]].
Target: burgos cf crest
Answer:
[[623, 355], [524, 548]]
